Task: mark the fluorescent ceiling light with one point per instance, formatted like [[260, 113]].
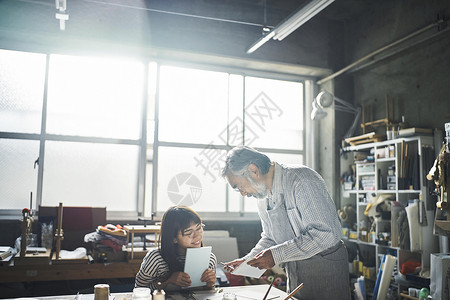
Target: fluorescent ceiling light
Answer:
[[260, 42], [299, 18], [294, 21]]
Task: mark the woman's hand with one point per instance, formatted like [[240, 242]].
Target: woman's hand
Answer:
[[180, 279], [209, 276]]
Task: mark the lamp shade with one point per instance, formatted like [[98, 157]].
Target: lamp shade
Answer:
[[317, 112], [324, 99]]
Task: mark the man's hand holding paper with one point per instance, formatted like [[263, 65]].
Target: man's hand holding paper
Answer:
[[232, 265], [263, 260], [243, 268]]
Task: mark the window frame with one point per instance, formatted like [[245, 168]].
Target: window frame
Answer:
[[203, 62], [242, 215]]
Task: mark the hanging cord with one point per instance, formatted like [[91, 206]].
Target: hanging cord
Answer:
[[175, 13]]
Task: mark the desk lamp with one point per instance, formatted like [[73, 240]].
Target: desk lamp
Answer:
[[326, 99]]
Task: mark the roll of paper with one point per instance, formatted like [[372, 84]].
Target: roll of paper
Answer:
[[388, 267], [415, 232], [101, 292]]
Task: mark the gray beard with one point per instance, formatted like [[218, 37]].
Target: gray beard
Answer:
[[261, 189]]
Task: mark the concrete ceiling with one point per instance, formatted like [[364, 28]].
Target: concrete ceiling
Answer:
[[222, 27], [226, 14], [264, 12]]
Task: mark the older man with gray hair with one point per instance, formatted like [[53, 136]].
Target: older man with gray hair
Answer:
[[301, 229]]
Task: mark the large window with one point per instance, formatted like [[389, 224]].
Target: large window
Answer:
[[202, 114], [193, 105], [134, 135], [95, 97], [22, 77]]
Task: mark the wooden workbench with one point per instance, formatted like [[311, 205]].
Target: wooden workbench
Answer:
[[242, 293], [48, 272]]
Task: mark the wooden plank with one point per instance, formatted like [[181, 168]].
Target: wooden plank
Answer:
[[372, 140], [445, 225], [404, 295], [381, 121], [33, 258], [414, 131], [364, 136], [68, 272], [363, 139], [62, 261], [143, 229]]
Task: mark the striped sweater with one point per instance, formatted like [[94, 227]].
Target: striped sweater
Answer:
[[154, 268]]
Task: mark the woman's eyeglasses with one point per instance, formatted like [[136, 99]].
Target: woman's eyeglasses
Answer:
[[191, 232]]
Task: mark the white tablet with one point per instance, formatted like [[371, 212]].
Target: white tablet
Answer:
[[197, 261]]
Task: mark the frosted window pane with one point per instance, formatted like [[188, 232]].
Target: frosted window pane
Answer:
[[95, 97], [183, 180], [17, 173], [84, 174], [234, 200], [149, 184], [151, 98], [148, 191], [285, 159], [193, 106], [22, 77], [236, 110], [274, 113]]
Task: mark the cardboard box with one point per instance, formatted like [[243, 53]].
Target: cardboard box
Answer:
[[391, 186], [391, 179]]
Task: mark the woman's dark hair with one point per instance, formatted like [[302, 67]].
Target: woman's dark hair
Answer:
[[175, 219], [239, 158]]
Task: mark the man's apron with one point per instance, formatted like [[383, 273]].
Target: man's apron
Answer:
[[325, 275]]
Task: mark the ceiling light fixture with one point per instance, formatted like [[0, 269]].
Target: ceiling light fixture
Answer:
[[291, 23], [61, 14], [261, 42]]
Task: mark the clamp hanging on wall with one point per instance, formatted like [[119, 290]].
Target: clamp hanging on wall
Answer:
[[61, 14], [325, 99]]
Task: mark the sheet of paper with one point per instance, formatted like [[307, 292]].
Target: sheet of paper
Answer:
[[249, 292], [240, 295], [246, 270], [197, 261]]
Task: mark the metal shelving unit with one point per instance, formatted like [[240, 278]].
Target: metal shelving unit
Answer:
[[388, 155]]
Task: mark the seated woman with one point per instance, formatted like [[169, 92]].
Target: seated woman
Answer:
[[181, 228]]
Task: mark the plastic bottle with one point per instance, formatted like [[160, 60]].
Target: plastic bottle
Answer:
[[159, 294], [229, 296], [141, 294], [423, 293]]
